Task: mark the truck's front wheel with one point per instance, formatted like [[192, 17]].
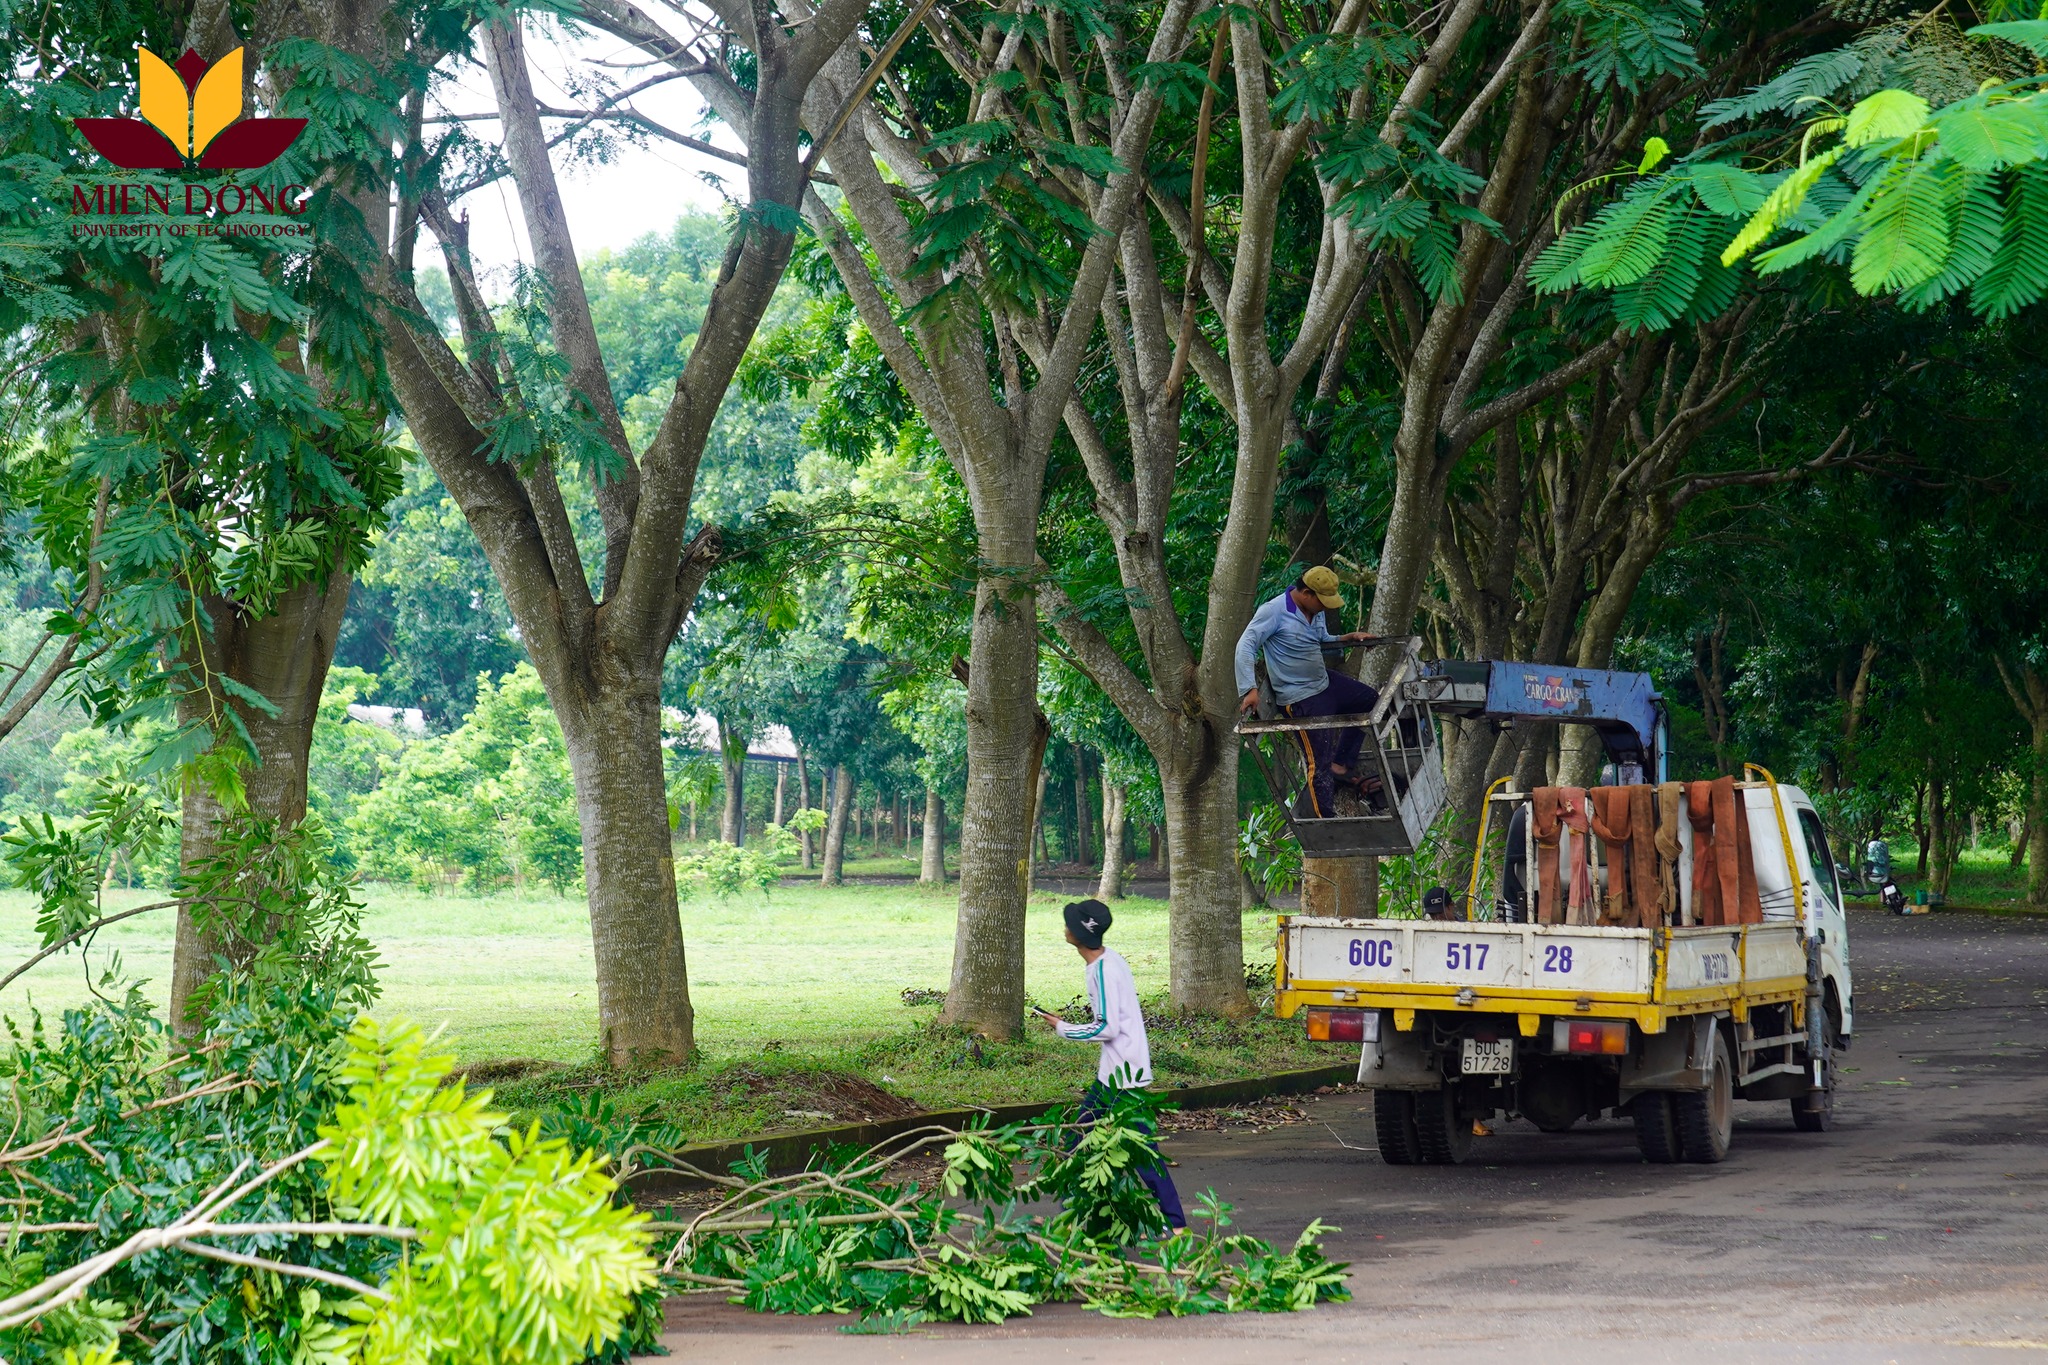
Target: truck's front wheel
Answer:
[[1393, 1123], [1446, 1139], [1706, 1118]]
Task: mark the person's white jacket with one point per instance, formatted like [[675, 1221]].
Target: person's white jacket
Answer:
[[1119, 1025]]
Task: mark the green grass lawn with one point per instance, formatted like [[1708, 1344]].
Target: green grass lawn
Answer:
[[798, 997]]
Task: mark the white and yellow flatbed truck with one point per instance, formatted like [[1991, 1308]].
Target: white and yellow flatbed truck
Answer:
[[1461, 1020]]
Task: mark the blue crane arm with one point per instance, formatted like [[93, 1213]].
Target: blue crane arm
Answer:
[[1624, 707]]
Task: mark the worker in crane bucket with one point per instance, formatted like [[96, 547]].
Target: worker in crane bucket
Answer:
[[1289, 631], [1118, 1028]]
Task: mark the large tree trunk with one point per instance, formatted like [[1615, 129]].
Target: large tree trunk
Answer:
[[614, 742], [835, 826], [1114, 797], [283, 657], [1005, 748], [933, 870], [1205, 930]]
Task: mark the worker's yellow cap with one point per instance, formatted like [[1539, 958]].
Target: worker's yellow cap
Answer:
[[1323, 583]]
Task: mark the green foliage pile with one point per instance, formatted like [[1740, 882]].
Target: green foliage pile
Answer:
[[846, 1237], [366, 1211]]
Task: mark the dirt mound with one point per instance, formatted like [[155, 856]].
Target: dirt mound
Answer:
[[855, 1099], [814, 1099]]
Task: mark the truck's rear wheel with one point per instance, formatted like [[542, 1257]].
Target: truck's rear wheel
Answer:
[[1706, 1118], [1393, 1123], [1445, 1139], [1656, 1127]]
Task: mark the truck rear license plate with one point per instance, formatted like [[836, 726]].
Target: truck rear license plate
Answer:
[[1484, 1058]]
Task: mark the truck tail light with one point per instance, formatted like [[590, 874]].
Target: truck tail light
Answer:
[[1343, 1026], [1600, 1037]]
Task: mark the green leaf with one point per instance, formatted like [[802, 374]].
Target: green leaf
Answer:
[[1630, 238], [1778, 206], [1097, 161], [1975, 227], [1665, 291], [246, 694], [1829, 231], [1886, 114], [2018, 274], [1654, 152], [1725, 188], [2031, 34], [1992, 136], [1805, 80], [1905, 238], [972, 134], [1558, 267]]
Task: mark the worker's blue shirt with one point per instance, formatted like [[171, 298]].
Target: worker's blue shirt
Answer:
[[1293, 646]]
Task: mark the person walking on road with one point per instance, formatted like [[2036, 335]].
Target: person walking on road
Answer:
[[1118, 1028], [1289, 631]]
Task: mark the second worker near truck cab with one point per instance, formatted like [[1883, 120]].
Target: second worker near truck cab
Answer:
[[1289, 631]]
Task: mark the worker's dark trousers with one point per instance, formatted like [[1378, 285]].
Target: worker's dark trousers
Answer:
[[1345, 696], [1155, 1176]]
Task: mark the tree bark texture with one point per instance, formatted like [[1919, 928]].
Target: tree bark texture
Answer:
[[835, 826], [615, 757], [1205, 930], [1004, 743], [1115, 796], [932, 869], [732, 760], [1338, 886], [283, 657]]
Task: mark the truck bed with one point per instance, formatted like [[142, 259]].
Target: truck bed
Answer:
[[1528, 969]]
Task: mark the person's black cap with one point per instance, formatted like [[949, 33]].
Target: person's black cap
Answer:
[[1088, 921]]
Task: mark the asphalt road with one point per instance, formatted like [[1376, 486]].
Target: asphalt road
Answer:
[[1915, 1230]]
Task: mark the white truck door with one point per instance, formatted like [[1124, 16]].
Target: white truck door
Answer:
[[1824, 898]]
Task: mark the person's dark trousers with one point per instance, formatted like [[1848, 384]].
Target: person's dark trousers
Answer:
[[1155, 1176], [1344, 696]]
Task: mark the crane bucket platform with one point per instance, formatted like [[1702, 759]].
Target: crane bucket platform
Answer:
[[1403, 762], [1400, 755]]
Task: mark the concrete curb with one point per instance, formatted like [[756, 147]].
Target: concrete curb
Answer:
[[793, 1150]]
